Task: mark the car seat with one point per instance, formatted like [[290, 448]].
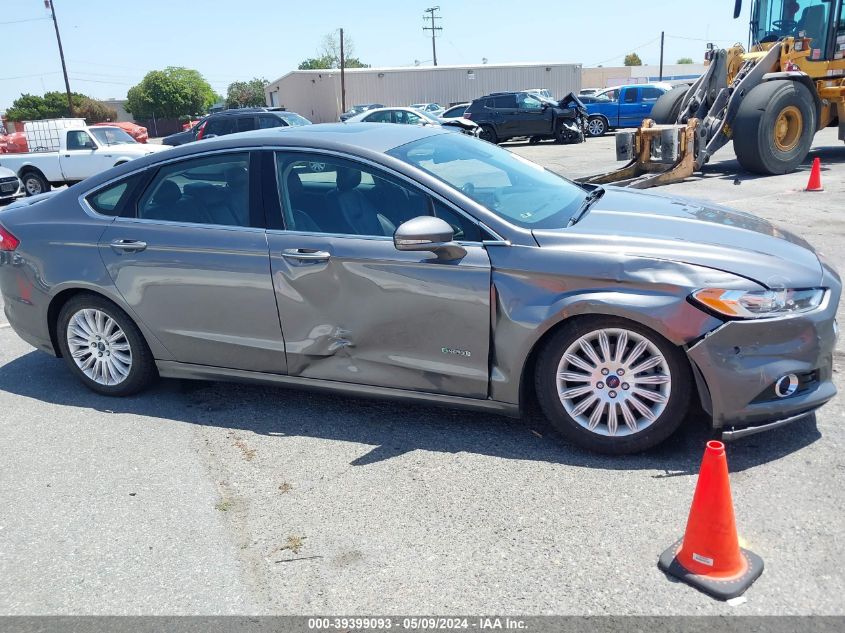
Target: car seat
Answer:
[[355, 210]]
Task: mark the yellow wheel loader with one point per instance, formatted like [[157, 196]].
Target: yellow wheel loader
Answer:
[[770, 101]]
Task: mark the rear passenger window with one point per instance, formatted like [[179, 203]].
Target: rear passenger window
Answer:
[[505, 101], [220, 126], [210, 190], [245, 123]]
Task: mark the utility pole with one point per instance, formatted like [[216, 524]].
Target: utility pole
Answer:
[[662, 33], [342, 75], [48, 4], [433, 28]]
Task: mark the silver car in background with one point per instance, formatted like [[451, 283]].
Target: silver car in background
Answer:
[[411, 263]]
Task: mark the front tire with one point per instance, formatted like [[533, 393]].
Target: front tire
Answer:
[[611, 385], [774, 127], [103, 347], [487, 133], [596, 126], [668, 106], [34, 183]]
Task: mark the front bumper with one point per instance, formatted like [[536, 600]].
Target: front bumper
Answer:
[[737, 364]]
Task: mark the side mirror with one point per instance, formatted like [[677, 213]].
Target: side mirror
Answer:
[[90, 145], [427, 233], [209, 136]]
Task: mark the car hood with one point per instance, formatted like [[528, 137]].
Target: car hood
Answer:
[[641, 224]]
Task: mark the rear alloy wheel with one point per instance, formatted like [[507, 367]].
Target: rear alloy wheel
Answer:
[[612, 386], [596, 126], [487, 133], [34, 183], [103, 347], [774, 127]]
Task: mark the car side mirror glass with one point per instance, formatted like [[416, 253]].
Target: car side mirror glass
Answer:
[[90, 145], [428, 233]]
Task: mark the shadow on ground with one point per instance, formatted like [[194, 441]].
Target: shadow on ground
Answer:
[[391, 428]]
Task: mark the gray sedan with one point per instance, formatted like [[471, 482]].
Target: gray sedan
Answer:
[[410, 263]]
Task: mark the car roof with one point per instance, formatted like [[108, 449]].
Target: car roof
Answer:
[[356, 138]]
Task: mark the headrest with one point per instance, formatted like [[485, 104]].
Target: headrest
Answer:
[[348, 178], [168, 192]]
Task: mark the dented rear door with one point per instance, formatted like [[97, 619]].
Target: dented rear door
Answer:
[[362, 312]]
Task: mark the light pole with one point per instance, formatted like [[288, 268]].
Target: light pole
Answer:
[[433, 28], [49, 4]]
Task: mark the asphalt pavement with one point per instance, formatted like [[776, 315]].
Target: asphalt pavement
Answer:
[[213, 498]]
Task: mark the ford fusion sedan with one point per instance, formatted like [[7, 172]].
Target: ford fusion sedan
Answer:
[[411, 263]]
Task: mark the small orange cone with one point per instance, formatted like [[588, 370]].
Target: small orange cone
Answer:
[[709, 556], [815, 182]]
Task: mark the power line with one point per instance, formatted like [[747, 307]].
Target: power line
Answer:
[[636, 48], [26, 20], [433, 28]]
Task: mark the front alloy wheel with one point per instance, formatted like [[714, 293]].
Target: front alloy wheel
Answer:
[[612, 385], [596, 126]]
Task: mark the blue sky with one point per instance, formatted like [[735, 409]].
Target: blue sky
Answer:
[[109, 45]]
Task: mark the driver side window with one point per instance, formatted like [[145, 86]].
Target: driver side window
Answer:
[[79, 140], [323, 194]]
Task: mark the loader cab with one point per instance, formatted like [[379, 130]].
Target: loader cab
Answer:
[[819, 20]]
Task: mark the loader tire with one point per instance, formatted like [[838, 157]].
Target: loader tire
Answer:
[[774, 127], [668, 106]]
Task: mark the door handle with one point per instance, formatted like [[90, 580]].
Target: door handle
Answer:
[[306, 254], [128, 246]]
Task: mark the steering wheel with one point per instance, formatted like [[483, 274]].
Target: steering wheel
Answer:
[[468, 188], [785, 26]]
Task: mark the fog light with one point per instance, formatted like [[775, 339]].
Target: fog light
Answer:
[[786, 385]]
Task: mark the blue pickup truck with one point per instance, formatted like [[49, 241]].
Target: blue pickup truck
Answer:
[[623, 106]]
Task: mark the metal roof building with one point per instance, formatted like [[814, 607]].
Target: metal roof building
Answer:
[[315, 94]]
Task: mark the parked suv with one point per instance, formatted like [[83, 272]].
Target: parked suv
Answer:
[[505, 115], [246, 119]]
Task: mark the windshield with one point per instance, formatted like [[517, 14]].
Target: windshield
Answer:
[[111, 135], [513, 188], [774, 19], [294, 119]]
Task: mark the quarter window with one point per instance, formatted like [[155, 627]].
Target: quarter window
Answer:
[[115, 198], [209, 190]]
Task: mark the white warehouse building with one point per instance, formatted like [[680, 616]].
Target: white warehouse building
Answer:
[[316, 94]]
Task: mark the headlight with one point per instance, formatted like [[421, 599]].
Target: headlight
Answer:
[[759, 304]]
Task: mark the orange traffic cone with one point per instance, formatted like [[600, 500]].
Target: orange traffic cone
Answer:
[[709, 556], [815, 182]]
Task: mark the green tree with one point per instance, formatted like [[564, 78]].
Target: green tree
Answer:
[[94, 111], [329, 55], [244, 94], [633, 59], [172, 92], [685, 60], [52, 105]]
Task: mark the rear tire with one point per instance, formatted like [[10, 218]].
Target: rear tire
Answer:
[[668, 106], [103, 347], [34, 183], [609, 404], [774, 127]]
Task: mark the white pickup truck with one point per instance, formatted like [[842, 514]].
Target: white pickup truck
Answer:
[[82, 152]]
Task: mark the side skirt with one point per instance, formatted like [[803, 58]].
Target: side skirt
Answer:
[[172, 369]]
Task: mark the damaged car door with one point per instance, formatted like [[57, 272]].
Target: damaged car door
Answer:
[[355, 309]]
